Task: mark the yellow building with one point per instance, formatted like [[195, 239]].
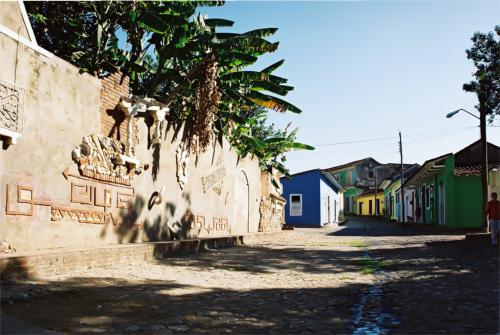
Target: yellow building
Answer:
[[365, 204]]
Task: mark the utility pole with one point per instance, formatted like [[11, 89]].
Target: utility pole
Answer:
[[402, 192], [376, 189], [484, 161]]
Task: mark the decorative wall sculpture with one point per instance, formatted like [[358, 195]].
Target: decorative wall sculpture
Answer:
[[11, 111], [102, 158], [182, 156], [158, 111]]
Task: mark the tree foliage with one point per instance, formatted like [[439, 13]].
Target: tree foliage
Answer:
[[252, 136], [178, 57], [485, 53]]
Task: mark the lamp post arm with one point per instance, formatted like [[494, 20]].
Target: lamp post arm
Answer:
[[463, 110]]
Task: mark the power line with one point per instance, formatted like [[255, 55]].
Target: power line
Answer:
[[441, 132]]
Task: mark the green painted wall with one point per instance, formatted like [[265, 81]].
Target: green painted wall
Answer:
[[468, 202], [462, 198], [350, 190], [342, 177]]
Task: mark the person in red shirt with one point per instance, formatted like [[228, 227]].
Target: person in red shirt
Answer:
[[493, 211]]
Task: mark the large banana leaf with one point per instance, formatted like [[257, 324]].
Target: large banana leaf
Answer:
[[273, 67], [252, 76], [300, 146], [246, 43], [271, 102], [160, 23], [263, 32], [219, 23], [273, 88]]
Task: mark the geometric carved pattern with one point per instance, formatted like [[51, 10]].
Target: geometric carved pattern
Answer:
[[82, 216], [24, 196], [124, 200], [83, 194], [218, 224], [11, 107]]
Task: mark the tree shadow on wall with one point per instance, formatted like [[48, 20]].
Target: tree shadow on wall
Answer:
[[119, 118], [162, 227], [126, 226]]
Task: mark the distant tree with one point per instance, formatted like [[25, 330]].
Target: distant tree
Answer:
[[485, 53]]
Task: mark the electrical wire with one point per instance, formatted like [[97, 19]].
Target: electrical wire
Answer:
[[387, 138]]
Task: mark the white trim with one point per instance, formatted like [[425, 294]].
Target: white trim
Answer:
[[27, 23], [25, 41], [291, 203], [12, 136]]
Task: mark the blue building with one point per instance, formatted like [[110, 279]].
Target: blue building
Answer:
[[314, 198]]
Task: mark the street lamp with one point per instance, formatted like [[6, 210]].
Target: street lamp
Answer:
[[484, 153], [451, 114]]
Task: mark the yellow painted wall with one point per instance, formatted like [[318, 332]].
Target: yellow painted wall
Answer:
[[365, 200]]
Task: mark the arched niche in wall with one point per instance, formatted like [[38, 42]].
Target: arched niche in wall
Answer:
[[241, 203]]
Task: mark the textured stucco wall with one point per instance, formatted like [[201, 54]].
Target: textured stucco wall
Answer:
[[10, 17], [61, 107]]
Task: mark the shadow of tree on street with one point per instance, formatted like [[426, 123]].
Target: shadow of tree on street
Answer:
[[441, 286]]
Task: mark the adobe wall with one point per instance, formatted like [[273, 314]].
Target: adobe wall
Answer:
[[46, 201]]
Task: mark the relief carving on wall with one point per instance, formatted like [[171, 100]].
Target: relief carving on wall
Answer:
[[81, 193], [11, 110], [103, 158], [215, 179], [182, 158], [204, 227]]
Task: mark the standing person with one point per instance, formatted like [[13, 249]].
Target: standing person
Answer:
[[493, 210]]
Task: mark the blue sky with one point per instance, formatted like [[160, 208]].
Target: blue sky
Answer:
[[366, 69]]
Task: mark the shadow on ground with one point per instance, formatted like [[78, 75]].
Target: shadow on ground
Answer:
[[435, 287], [443, 287], [377, 226]]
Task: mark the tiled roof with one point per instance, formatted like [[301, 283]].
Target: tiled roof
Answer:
[[473, 170], [339, 167]]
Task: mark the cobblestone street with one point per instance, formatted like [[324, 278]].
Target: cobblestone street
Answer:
[[365, 276]]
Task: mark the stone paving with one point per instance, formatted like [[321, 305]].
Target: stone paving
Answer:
[[307, 281]]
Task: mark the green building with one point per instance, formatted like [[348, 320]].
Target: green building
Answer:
[[355, 177], [447, 189]]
